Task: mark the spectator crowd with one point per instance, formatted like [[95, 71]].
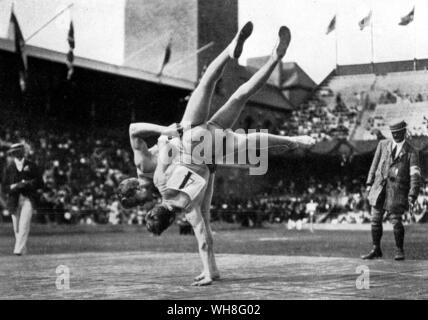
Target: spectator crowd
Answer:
[[82, 169], [338, 200], [322, 121], [329, 115], [81, 172]]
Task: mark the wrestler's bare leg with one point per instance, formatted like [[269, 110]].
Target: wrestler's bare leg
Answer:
[[236, 142], [229, 113], [205, 210], [198, 107]]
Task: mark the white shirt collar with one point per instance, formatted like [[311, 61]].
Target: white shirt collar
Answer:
[[19, 164], [399, 146]]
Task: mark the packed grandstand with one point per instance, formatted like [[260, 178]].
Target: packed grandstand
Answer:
[[82, 168]]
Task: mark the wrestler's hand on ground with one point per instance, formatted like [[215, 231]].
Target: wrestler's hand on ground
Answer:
[[304, 142]]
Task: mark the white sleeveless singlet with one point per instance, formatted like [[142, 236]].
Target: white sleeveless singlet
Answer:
[[181, 175]]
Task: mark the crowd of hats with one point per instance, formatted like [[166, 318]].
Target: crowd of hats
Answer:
[[81, 172], [340, 199], [320, 121], [337, 115]]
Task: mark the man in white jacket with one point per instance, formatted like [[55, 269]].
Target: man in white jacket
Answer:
[[21, 180]]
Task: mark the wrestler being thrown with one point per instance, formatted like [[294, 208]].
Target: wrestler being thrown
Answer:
[[184, 183]]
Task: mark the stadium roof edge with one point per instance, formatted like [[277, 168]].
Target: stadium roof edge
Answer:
[[382, 67], [42, 53]]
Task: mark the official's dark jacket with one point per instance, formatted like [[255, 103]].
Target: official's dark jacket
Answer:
[[29, 179], [401, 177]]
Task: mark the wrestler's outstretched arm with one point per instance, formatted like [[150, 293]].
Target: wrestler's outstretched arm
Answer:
[[194, 217], [144, 129], [137, 133], [206, 216]]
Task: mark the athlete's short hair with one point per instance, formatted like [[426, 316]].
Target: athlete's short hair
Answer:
[[126, 192], [159, 219]]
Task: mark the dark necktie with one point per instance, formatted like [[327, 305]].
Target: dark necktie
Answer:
[[394, 151]]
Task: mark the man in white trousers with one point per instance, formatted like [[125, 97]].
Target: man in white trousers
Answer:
[[21, 179]]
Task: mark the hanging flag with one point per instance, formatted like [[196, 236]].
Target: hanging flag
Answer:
[[332, 25], [167, 56], [21, 57], [365, 21], [70, 54], [373, 85], [407, 18]]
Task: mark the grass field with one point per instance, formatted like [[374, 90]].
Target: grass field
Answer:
[[272, 239], [126, 262]]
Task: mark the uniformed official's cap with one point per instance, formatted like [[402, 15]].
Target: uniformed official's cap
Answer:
[[400, 126], [15, 147]]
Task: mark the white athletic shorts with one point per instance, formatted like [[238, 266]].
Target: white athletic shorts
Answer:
[[186, 180]]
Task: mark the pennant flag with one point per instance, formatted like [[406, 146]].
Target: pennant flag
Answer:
[[365, 21], [332, 25], [21, 57], [407, 18], [167, 56], [373, 85], [70, 54]]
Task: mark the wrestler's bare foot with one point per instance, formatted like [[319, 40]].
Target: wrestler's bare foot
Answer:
[[283, 43], [205, 281], [238, 43], [215, 276], [304, 142]]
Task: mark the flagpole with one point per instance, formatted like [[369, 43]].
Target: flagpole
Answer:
[[371, 37], [48, 22], [205, 47], [336, 35], [182, 60], [142, 49], [414, 38], [167, 52], [337, 50]]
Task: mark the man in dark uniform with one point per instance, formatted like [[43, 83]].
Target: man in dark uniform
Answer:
[[393, 183], [21, 180]]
